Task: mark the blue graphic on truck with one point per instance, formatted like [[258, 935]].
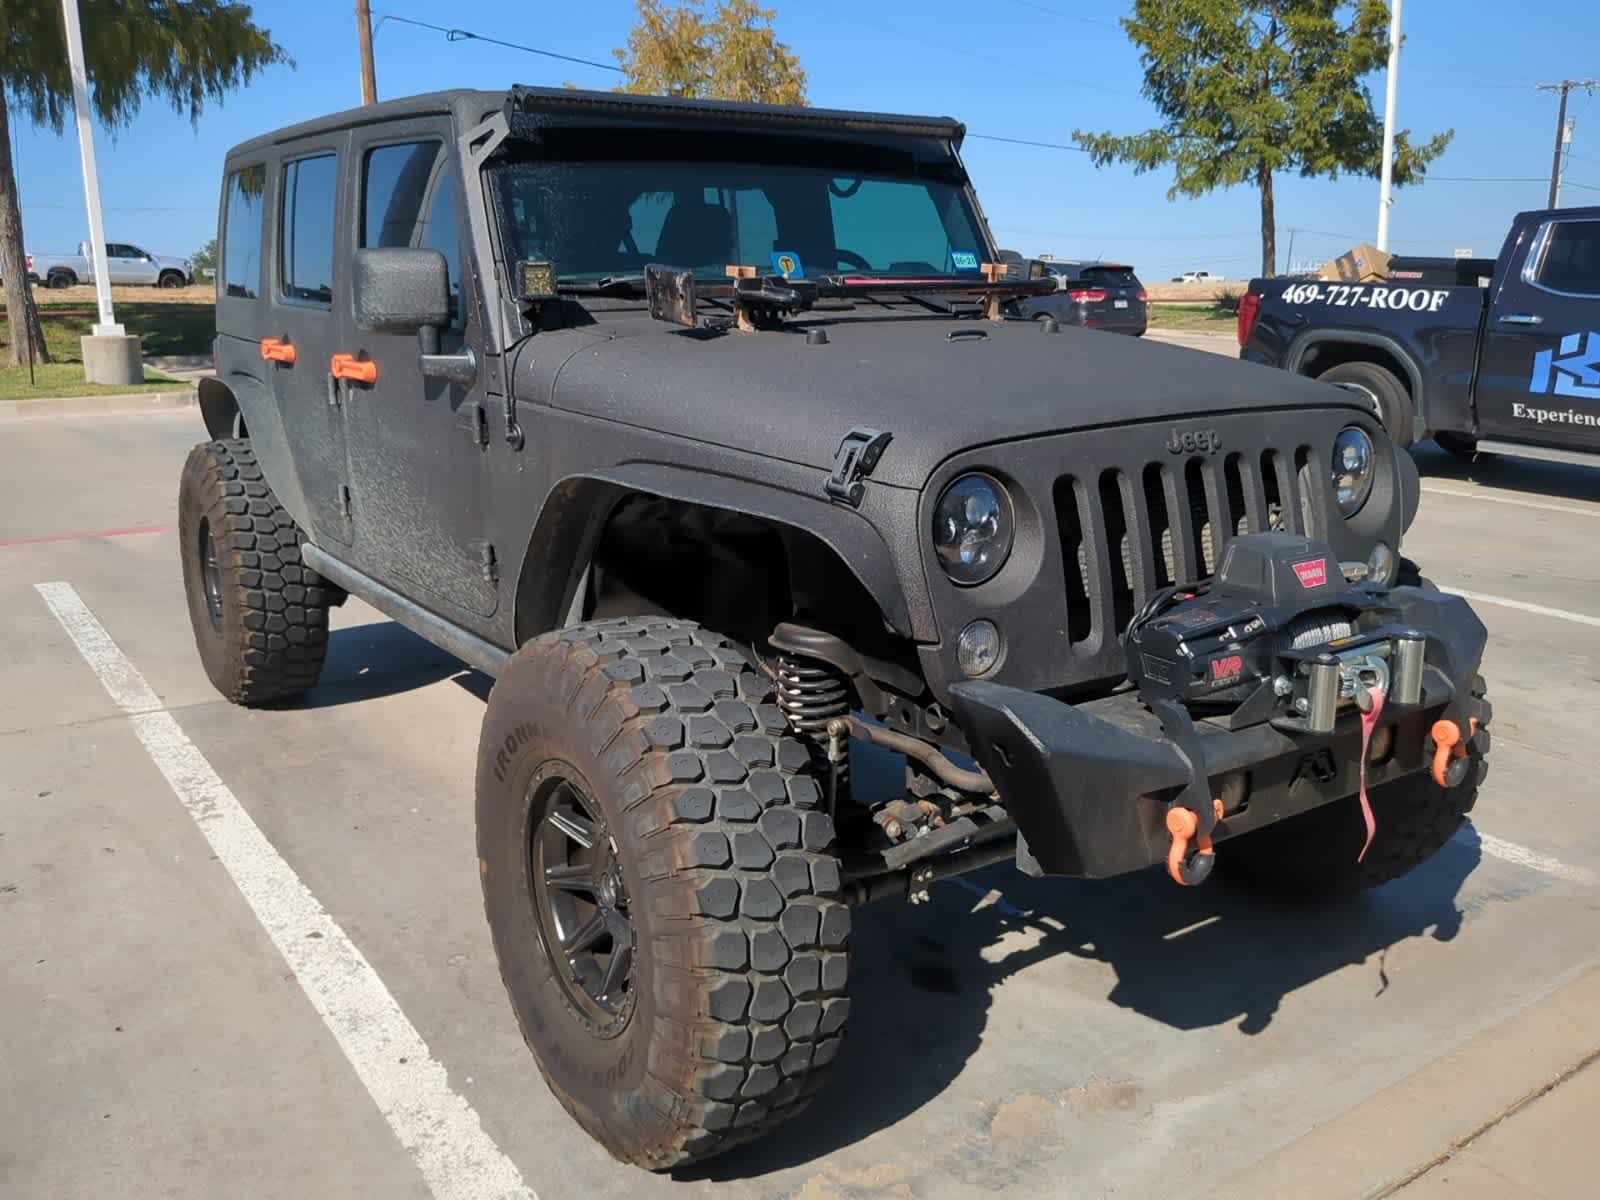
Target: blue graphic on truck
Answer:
[[1575, 373]]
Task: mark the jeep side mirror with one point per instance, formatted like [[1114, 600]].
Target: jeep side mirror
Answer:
[[407, 290], [401, 290]]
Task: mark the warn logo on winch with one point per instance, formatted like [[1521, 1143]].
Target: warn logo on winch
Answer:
[[1312, 573]]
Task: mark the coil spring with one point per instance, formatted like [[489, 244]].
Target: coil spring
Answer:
[[810, 693]]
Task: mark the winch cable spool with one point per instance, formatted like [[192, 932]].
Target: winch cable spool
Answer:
[[814, 696]]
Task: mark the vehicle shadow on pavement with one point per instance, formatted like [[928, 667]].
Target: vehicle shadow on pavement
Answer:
[[381, 658], [923, 976], [1554, 480]]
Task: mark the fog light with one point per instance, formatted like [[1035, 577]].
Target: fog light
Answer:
[[978, 648], [1381, 564]]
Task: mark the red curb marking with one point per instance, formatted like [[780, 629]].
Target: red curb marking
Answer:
[[76, 537]]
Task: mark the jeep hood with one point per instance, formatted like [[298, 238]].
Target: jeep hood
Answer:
[[939, 385]]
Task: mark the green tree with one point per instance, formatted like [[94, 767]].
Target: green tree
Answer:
[[734, 54], [1250, 88], [186, 52], [204, 259]]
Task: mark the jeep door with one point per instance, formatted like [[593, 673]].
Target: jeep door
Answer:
[[419, 448], [301, 330], [1539, 370]]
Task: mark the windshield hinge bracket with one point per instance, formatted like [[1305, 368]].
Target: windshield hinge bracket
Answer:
[[855, 459]]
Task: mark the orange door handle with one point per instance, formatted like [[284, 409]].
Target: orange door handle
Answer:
[[277, 350], [348, 366]]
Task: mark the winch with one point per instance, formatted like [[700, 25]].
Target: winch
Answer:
[[1277, 635]]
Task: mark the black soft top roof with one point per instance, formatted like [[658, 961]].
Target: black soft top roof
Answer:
[[536, 106]]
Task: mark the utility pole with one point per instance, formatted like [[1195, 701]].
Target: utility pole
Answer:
[[369, 81], [110, 354], [1563, 87], [1386, 186]]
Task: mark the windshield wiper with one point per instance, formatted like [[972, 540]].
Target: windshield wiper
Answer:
[[611, 285]]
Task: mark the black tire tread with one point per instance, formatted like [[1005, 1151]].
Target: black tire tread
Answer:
[[275, 615], [729, 834], [1311, 856]]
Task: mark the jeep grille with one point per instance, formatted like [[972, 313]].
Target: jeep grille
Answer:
[[1130, 530]]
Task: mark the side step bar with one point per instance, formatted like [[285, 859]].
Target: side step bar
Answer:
[[468, 647]]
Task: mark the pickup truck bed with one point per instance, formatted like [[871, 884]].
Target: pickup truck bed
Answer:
[[1515, 362]]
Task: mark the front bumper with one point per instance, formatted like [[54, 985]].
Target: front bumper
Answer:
[[1089, 785]]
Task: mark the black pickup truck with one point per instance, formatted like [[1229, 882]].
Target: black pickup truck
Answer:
[[1480, 355]]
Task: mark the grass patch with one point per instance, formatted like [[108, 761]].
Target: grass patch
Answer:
[[1207, 317], [164, 328], [66, 379]]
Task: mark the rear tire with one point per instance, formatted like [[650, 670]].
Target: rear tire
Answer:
[[709, 862], [260, 615], [60, 279], [1390, 402], [1313, 856]]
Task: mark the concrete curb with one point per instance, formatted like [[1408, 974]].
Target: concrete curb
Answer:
[[1392, 1137], [116, 402]]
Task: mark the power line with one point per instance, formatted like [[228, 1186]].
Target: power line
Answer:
[[466, 35], [991, 137], [1065, 16]]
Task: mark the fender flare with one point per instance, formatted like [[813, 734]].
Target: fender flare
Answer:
[[578, 506], [220, 410], [1309, 339]]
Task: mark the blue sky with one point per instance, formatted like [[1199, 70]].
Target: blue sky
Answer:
[[1029, 69]]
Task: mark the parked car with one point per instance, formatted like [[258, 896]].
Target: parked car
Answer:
[[125, 264], [1479, 354], [1096, 295], [700, 428], [1197, 277]]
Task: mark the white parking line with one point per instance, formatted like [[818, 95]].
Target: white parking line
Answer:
[[1523, 857], [1478, 494], [1541, 610], [440, 1130]]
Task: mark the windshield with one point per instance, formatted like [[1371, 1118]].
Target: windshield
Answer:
[[602, 218]]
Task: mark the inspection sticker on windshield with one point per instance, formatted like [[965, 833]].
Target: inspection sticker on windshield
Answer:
[[964, 260], [1367, 295], [787, 264]]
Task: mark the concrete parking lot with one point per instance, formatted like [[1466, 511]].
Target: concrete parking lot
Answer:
[[244, 953]]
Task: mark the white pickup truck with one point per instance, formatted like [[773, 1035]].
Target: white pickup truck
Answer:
[[124, 263]]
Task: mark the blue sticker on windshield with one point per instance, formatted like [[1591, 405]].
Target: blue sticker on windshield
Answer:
[[787, 264], [964, 260]]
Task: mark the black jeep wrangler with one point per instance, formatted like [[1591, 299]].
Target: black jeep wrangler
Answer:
[[703, 429]]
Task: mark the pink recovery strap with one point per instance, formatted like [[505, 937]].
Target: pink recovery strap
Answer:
[[1369, 722]]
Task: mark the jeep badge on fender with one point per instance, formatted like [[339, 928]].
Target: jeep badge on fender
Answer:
[[709, 526]]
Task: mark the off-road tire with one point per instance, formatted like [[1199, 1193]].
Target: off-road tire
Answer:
[[1313, 856], [269, 638], [1387, 393], [740, 940]]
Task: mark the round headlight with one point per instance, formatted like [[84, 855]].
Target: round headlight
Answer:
[[973, 529], [1354, 465]]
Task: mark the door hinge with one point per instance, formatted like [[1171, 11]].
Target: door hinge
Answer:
[[344, 501], [487, 561], [477, 423], [857, 455]]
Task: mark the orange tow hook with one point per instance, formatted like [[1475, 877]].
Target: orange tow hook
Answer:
[[1449, 746], [1183, 824]]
